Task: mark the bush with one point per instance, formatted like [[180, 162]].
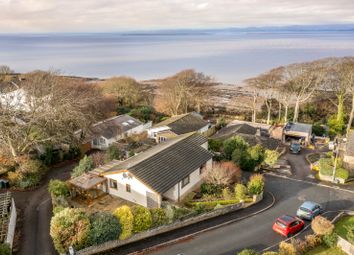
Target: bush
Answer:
[[143, 113], [330, 240], [321, 226], [126, 219], [211, 189], [271, 157], [57, 209], [312, 241], [158, 216], [247, 252], [287, 248], [58, 188], [215, 145], [104, 227], [255, 185], [209, 205], [142, 219], [318, 129], [227, 194], [70, 227], [240, 191], [5, 249], [257, 154], [225, 173], [180, 212], [112, 153], [60, 201], [85, 165], [233, 143]]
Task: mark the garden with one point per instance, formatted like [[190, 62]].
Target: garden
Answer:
[[81, 228]]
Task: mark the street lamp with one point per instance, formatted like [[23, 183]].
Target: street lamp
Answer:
[[335, 161]]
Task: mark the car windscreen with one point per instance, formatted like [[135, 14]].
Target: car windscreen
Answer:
[[280, 224], [295, 146], [305, 209]]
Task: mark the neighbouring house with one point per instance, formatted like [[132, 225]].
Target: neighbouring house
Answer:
[[348, 155], [252, 134], [178, 125], [8, 217], [104, 133], [297, 131], [266, 129], [170, 170]]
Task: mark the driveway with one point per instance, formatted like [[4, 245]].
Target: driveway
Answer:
[[256, 232], [35, 208]]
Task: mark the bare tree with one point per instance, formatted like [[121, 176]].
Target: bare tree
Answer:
[[302, 80], [252, 84], [185, 91], [222, 173], [48, 108], [4, 70], [284, 97]]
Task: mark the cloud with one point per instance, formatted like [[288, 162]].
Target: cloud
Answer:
[[115, 15]]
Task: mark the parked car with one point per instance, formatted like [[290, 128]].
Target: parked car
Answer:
[[287, 225], [295, 148], [309, 210]]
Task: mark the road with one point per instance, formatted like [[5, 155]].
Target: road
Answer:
[[36, 209], [256, 232]]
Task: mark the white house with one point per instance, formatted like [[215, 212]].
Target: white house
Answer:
[[178, 125], [169, 170], [104, 133]]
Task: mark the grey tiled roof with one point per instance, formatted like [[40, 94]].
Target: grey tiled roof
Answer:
[[298, 127], [184, 123], [166, 164], [230, 131]]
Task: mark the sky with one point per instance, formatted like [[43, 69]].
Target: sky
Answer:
[[40, 16]]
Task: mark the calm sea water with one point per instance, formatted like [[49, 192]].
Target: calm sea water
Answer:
[[228, 57]]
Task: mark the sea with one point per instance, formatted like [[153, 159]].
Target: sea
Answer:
[[227, 56]]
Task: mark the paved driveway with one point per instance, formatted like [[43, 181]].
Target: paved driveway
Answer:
[[36, 211], [255, 232]]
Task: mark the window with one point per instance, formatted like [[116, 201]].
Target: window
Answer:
[[185, 181], [102, 141], [113, 184], [162, 139], [128, 188], [202, 169], [95, 141]]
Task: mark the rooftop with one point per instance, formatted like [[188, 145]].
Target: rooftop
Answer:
[[164, 165], [184, 123], [298, 127]]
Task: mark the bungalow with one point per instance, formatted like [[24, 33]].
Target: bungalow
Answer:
[[169, 171], [178, 125], [253, 134], [104, 133], [297, 131]]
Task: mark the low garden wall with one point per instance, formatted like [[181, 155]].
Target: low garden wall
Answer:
[[166, 228], [330, 178]]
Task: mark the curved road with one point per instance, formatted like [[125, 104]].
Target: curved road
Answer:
[[256, 232]]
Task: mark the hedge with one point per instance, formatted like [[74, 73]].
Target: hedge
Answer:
[[125, 218], [142, 218], [212, 204]]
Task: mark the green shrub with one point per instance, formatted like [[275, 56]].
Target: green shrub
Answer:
[[85, 165], [330, 240], [231, 144], [142, 218], [126, 219], [257, 153], [60, 201], [209, 205], [180, 212], [5, 249], [240, 191], [227, 194], [112, 153], [58, 188], [271, 157], [255, 185], [104, 227], [211, 189], [70, 227], [247, 252], [215, 145], [57, 209], [318, 129], [143, 113], [158, 216]]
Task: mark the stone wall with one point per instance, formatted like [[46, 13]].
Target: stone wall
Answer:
[[166, 228], [347, 247]]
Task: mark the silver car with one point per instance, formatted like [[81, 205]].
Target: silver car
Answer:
[[309, 210]]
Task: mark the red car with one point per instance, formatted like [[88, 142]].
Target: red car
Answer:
[[288, 225]]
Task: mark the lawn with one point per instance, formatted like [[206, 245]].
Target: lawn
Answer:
[[324, 250], [340, 225]]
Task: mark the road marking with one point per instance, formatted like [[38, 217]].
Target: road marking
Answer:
[[309, 182], [43, 202]]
